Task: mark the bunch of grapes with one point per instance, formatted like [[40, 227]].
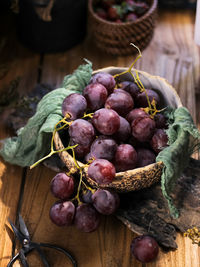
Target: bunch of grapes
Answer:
[[120, 11], [113, 132]]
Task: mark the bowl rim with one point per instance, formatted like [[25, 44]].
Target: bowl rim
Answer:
[[114, 24]]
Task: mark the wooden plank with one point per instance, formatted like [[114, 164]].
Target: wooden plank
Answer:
[[24, 63]]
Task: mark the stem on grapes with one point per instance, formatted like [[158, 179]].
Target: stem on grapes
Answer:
[[151, 105], [90, 115]]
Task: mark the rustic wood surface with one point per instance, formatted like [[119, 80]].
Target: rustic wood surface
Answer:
[[171, 54]]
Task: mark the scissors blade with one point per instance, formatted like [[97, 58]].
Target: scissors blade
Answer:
[[23, 258], [18, 234], [23, 228]]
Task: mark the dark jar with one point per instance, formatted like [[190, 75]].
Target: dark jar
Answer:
[[65, 28]]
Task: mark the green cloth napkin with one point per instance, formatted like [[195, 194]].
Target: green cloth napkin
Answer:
[[182, 134], [33, 140]]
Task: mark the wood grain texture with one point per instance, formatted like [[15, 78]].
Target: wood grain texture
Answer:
[[173, 55]]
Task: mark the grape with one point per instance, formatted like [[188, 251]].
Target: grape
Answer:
[[87, 197], [106, 121], [125, 158], [112, 13], [105, 79], [143, 128], [145, 157], [75, 105], [161, 121], [101, 171], [120, 101], [159, 140], [131, 17], [135, 113], [86, 218], [82, 132], [131, 88], [123, 132], [80, 150], [96, 95], [141, 99], [105, 202], [144, 248], [62, 186], [62, 213], [103, 147]]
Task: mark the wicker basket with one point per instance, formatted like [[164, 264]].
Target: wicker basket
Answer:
[[115, 38], [140, 177]]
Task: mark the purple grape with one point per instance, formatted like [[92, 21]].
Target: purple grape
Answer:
[[105, 202], [144, 248], [101, 171], [161, 121], [131, 88], [136, 113], [62, 186], [143, 128], [62, 213], [75, 105], [106, 121], [159, 140], [125, 158], [96, 95], [141, 99], [145, 157], [124, 131], [80, 150], [86, 197], [87, 219], [120, 101], [103, 147], [82, 132], [105, 79]]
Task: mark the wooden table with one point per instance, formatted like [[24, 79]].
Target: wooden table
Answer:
[[171, 54]]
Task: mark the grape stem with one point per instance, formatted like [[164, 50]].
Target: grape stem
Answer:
[[151, 105]]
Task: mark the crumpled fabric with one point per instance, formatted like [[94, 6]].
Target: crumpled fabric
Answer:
[[33, 140], [182, 135]]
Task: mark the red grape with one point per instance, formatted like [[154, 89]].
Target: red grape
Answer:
[[96, 95], [106, 121], [145, 157], [131, 17], [62, 186], [135, 113], [81, 150], [103, 147], [161, 121], [141, 99], [144, 248], [131, 88], [120, 101], [82, 132], [159, 140], [62, 213], [123, 132], [75, 105], [105, 79], [125, 158], [105, 202], [113, 13], [86, 218], [143, 128], [101, 171]]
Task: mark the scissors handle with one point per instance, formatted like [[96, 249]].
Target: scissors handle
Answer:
[[21, 256], [61, 250]]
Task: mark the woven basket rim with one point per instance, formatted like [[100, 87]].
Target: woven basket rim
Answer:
[[114, 24]]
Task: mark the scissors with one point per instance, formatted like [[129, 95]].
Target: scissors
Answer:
[[23, 236]]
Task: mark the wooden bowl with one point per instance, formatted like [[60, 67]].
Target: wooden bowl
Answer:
[[140, 177], [115, 38]]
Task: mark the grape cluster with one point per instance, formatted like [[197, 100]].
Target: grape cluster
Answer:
[[118, 135], [119, 11]]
